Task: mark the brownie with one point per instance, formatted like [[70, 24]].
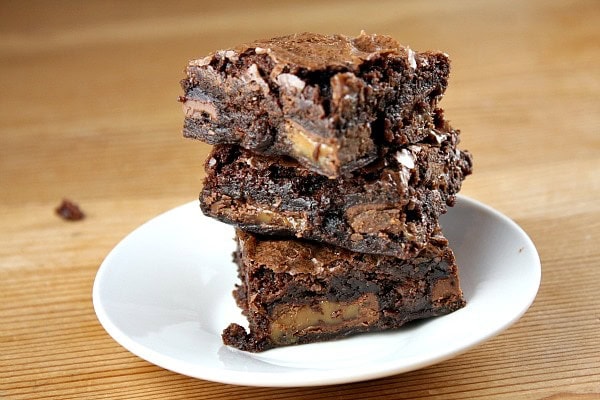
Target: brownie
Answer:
[[329, 101], [389, 207], [293, 291]]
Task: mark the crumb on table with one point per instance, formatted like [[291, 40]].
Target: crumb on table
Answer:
[[69, 211]]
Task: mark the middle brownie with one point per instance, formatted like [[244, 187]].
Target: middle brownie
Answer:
[[390, 207]]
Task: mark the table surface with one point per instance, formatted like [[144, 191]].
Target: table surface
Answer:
[[88, 112]]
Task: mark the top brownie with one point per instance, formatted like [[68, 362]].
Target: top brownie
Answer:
[[330, 102]]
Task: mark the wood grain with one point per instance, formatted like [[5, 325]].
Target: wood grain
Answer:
[[88, 111]]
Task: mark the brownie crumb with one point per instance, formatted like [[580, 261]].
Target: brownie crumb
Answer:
[[69, 211]]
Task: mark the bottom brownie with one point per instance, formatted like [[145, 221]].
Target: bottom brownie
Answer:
[[295, 292]]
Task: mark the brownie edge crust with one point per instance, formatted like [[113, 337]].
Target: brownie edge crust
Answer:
[[295, 292]]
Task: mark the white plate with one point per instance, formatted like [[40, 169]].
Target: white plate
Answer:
[[164, 293]]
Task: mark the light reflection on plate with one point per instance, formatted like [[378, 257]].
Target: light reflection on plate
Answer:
[[164, 293]]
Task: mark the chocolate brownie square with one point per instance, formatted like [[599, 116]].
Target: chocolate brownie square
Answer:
[[388, 207], [329, 101], [295, 292]]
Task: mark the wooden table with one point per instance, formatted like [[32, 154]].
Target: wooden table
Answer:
[[88, 111]]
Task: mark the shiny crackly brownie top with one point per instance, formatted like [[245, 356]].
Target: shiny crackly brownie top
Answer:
[[314, 51]]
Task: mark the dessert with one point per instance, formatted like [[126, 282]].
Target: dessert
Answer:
[[389, 207], [329, 101], [295, 292], [334, 161]]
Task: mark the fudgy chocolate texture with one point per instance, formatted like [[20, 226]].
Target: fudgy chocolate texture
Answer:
[[330, 102], [389, 207], [295, 292]]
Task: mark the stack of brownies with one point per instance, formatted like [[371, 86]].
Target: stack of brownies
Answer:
[[334, 162]]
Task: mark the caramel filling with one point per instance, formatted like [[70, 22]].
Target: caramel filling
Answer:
[[268, 217], [310, 147], [293, 321], [252, 214]]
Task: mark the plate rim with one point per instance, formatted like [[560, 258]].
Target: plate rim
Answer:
[[299, 377]]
